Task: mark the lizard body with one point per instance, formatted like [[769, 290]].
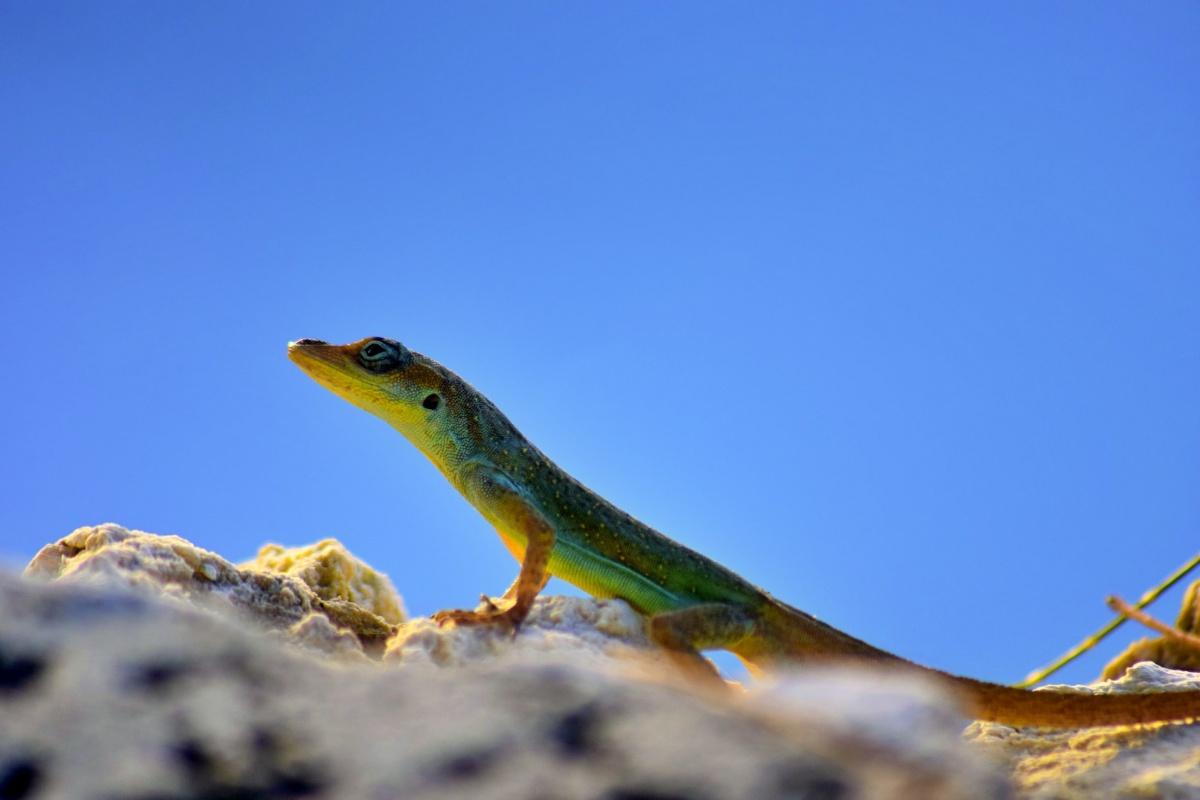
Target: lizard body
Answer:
[[554, 525]]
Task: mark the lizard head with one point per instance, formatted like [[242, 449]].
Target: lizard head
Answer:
[[435, 409]]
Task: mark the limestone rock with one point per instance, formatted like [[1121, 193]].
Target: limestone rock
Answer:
[[1162, 651], [108, 693], [285, 602], [1137, 761], [585, 630], [105, 692], [330, 571]]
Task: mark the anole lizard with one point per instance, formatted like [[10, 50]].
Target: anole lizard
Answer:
[[555, 525]]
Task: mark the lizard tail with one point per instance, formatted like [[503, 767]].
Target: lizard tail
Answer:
[[797, 636], [1054, 709]]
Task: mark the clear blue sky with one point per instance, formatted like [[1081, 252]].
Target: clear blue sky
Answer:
[[893, 308]]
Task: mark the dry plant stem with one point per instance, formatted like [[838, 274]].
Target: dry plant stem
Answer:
[[1121, 607], [1037, 676]]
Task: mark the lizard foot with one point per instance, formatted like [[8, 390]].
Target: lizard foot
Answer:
[[488, 614], [486, 604]]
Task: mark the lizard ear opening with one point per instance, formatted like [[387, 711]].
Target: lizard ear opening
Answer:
[[431, 402]]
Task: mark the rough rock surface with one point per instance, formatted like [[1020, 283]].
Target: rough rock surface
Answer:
[[329, 570], [174, 691], [1140, 761], [111, 694], [302, 602], [586, 631]]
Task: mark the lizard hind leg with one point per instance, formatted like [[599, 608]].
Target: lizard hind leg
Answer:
[[709, 626]]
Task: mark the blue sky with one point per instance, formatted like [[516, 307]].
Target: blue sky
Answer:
[[895, 309]]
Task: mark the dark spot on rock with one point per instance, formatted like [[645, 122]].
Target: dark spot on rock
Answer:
[[18, 671], [19, 779], [156, 677], [298, 781], [575, 732], [265, 742], [269, 774], [373, 645], [467, 765], [827, 788], [810, 782], [632, 793], [191, 755], [69, 550]]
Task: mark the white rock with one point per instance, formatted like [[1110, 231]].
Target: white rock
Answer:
[[111, 694]]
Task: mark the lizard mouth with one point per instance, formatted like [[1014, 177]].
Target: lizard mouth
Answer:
[[327, 364], [337, 368]]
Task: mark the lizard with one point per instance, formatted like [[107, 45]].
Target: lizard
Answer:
[[554, 525]]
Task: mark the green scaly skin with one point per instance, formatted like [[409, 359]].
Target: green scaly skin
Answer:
[[555, 525]]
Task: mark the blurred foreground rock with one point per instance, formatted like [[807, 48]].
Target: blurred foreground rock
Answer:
[[109, 694], [153, 669]]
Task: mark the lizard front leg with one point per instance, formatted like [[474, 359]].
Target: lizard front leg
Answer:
[[491, 490], [510, 594]]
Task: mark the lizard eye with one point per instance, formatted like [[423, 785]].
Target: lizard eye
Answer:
[[380, 356], [431, 402], [374, 351]]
